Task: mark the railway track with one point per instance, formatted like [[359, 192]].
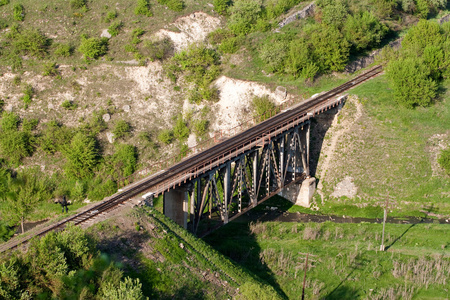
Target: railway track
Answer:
[[196, 164]]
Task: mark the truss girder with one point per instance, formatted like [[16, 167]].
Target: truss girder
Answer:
[[240, 183]]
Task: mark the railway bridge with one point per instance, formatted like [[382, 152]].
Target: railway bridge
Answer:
[[217, 185], [226, 180]]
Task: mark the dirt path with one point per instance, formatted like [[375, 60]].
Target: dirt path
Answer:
[[337, 130]]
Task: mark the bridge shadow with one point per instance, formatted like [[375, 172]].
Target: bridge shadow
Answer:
[[236, 241], [319, 127]]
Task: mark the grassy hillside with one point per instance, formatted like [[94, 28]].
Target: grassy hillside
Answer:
[[390, 149]]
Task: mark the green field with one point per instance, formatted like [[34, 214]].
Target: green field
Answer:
[[344, 261]]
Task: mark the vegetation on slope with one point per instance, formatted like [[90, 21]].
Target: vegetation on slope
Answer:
[[143, 255]]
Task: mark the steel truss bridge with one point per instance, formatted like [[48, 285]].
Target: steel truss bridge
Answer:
[[226, 180]]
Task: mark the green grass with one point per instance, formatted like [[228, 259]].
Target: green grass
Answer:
[[345, 262], [392, 149]]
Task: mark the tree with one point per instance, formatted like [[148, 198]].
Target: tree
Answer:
[[15, 144], [123, 161], [364, 30], [81, 156], [298, 56], [331, 49], [273, 54], [128, 289], [411, 82], [333, 12], [24, 192], [425, 33]]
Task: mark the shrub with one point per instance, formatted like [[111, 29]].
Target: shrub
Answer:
[[54, 137], [199, 65], [111, 15], [95, 124], [135, 36], [63, 50], [244, 14], [221, 6], [19, 12], [262, 107], [100, 188], [217, 36], [275, 8], [50, 69], [4, 2], [121, 129], [17, 80], [143, 8], [180, 130], [81, 156], [69, 105], [175, 5], [229, 45], [201, 127], [160, 49], [424, 34], [115, 27], [9, 121], [27, 94], [76, 4], [444, 160], [165, 136], [14, 144], [297, 57], [30, 42], [93, 48], [309, 71], [29, 125]]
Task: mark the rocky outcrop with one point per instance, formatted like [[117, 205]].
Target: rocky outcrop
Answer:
[[301, 14], [364, 61], [444, 19]]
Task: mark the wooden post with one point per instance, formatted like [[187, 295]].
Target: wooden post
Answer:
[[384, 222]]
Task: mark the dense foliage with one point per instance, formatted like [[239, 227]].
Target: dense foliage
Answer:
[[417, 69], [65, 265]]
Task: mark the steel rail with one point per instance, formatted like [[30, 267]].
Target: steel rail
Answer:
[[207, 158]]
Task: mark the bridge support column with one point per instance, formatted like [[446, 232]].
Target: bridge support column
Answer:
[[176, 206], [300, 194]]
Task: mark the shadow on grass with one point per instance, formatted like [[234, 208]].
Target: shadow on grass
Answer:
[[236, 241], [399, 237]]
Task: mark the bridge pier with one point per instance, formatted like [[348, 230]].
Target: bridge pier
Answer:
[[175, 207], [300, 194]]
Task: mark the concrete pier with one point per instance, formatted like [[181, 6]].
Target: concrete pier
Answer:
[[176, 206], [300, 194]]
